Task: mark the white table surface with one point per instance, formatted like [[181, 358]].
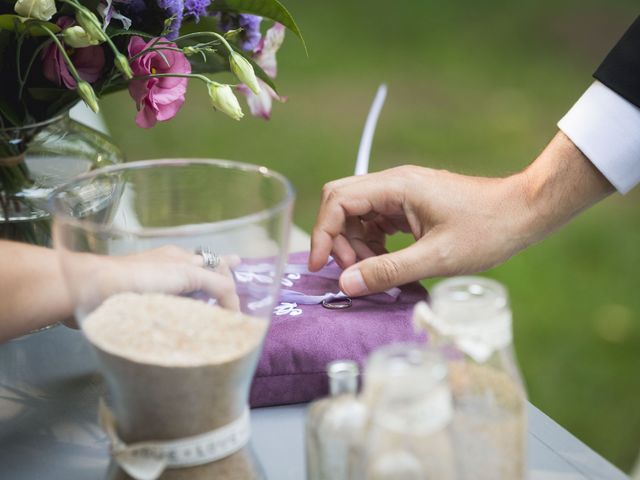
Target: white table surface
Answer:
[[49, 389]]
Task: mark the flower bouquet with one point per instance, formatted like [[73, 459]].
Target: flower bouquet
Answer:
[[54, 53]]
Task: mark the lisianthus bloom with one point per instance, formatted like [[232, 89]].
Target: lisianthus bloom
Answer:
[[38, 9], [223, 99], [157, 98], [250, 25], [89, 61], [242, 69], [265, 55], [77, 37], [90, 23]]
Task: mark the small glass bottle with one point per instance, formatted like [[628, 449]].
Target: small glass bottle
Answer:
[[408, 435], [471, 319], [334, 425]]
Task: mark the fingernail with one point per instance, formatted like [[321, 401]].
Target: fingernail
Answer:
[[352, 283]]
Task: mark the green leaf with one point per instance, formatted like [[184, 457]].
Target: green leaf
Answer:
[[206, 24], [118, 32], [46, 94], [215, 63], [11, 22], [63, 103], [271, 9], [5, 39], [35, 28], [9, 112], [114, 87]]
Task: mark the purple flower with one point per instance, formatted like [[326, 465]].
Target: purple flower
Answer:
[[157, 98], [196, 8], [137, 7], [174, 11], [250, 24]]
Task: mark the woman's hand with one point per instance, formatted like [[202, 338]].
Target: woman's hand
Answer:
[[168, 269], [172, 270], [34, 291]]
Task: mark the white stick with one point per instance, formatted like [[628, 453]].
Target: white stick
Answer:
[[364, 151]]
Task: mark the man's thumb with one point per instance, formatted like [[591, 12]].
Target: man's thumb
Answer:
[[377, 274]]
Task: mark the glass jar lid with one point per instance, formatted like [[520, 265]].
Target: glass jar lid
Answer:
[[471, 312]]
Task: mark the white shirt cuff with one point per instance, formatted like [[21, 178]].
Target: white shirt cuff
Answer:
[[606, 128]]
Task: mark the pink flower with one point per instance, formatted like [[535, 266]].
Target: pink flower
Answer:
[[89, 61], [265, 55], [159, 98]]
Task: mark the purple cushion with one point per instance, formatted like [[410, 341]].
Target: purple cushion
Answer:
[[298, 347]]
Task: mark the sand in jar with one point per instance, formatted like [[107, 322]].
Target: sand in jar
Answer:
[[176, 367], [489, 422]]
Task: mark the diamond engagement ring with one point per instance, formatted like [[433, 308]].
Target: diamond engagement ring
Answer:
[[211, 259]]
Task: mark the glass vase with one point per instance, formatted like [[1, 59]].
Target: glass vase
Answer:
[[36, 158], [175, 395]]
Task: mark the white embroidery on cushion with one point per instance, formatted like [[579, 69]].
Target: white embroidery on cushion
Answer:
[[288, 280], [286, 308], [246, 277], [263, 302]]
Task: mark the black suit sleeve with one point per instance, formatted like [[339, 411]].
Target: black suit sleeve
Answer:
[[620, 70]]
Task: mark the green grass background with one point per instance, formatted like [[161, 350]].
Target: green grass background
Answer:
[[476, 87]]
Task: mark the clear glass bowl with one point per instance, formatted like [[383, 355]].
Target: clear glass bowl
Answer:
[[129, 233]]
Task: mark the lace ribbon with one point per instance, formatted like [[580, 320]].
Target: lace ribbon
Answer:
[[293, 296], [478, 341], [331, 271], [147, 460]]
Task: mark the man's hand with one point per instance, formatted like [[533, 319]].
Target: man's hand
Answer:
[[461, 224]]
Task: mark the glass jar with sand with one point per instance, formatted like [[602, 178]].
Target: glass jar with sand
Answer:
[[408, 432], [470, 318], [177, 357]]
